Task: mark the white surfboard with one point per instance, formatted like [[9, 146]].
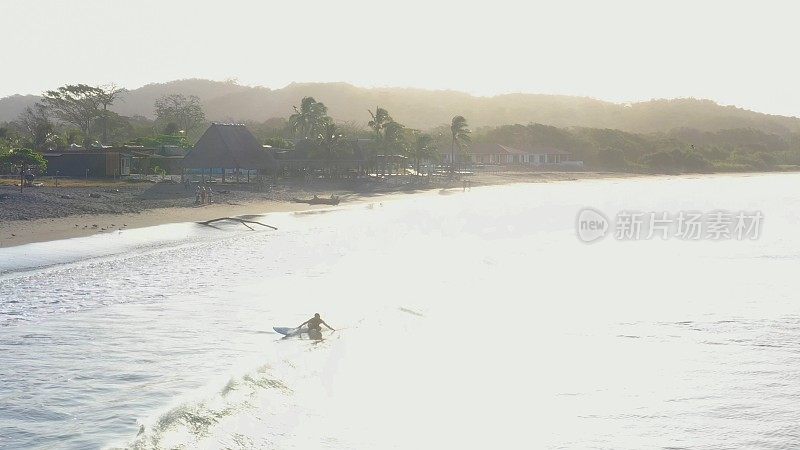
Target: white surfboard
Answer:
[[289, 331]]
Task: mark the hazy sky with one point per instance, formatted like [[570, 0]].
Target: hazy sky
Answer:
[[734, 52]]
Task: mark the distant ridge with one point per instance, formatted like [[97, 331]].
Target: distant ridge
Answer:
[[11, 107], [419, 108]]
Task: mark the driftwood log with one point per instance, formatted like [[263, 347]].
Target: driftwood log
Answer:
[[235, 219]]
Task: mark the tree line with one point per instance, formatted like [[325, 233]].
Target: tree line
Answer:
[[81, 114], [677, 151], [387, 138]]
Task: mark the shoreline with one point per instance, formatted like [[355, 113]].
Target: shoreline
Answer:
[[20, 232]]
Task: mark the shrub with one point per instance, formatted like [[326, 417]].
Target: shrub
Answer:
[[676, 161]]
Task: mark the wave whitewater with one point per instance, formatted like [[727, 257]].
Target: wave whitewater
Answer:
[[192, 423]]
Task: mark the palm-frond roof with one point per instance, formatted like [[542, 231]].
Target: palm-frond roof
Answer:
[[229, 146]]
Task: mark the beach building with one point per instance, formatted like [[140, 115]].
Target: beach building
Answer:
[[229, 147], [147, 160], [298, 158], [307, 156], [491, 153], [89, 164], [549, 155]]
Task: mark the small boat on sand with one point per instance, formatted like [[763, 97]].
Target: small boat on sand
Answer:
[[332, 200]]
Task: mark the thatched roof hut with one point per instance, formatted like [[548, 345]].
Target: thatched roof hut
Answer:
[[229, 146]]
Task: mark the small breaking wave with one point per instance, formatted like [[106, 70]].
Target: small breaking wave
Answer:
[[192, 423]]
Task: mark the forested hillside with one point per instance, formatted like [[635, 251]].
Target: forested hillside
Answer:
[[424, 109]]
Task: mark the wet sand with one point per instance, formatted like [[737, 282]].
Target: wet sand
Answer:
[[80, 209]]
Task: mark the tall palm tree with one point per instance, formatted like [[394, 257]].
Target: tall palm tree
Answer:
[[460, 133], [308, 119], [380, 118]]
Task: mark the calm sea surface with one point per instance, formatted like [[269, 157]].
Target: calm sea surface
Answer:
[[467, 319]]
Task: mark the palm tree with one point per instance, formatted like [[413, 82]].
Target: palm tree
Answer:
[[460, 133], [329, 141], [380, 118], [423, 147], [308, 119]]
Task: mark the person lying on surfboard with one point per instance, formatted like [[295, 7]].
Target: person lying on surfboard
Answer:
[[314, 322]]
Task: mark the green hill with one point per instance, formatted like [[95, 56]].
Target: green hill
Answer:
[[424, 109]]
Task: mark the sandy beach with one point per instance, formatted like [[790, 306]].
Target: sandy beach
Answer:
[[79, 208]]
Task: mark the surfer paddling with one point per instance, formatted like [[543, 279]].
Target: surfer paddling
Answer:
[[314, 323]]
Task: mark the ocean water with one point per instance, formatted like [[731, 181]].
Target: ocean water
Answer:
[[469, 319]]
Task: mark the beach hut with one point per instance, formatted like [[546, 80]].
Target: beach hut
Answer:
[[89, 164], [227, 146]]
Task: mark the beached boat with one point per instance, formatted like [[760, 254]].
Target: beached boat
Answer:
[[332, 200]]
